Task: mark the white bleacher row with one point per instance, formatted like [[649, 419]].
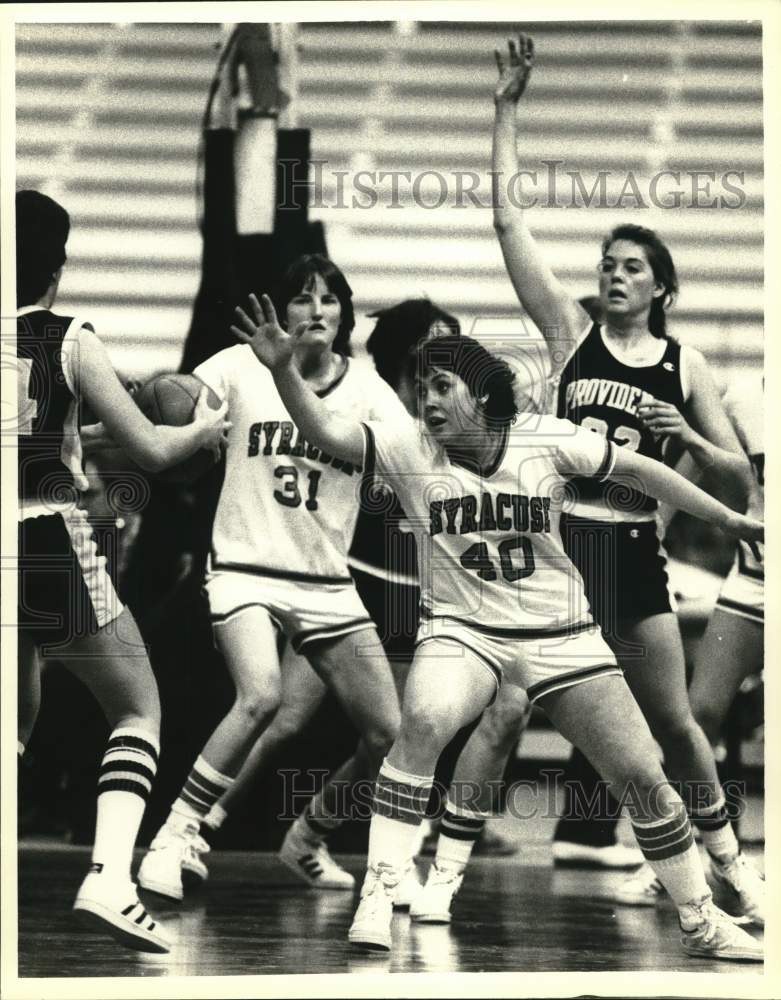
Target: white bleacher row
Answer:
[[430, 79], [590, 43], [110, 206], [410, 147], [49, 99]]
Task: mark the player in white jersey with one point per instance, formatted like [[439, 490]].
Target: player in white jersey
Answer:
[[626, 379], [502, 601], [278, 562], [732, 647]]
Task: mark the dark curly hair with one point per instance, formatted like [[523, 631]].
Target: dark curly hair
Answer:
[[484, 374], [397, 333], [42, 229], [301, 275], [661, 262]]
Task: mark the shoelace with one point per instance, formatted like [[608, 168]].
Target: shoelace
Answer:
[[443, 876], [200, 845], [714, 919], [384, 877]]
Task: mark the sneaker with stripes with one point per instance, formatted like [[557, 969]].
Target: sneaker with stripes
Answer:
[[311, 861], [161, 869], [114, 909], [711, 933]]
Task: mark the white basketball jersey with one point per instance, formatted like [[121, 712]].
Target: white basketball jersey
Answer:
[[286, 508], [489, 548], [744, 403]]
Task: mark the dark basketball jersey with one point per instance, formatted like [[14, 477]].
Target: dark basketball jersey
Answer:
[[601, 393], [49, 450]]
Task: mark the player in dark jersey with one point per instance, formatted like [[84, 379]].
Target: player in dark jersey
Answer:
[[67, 606], [629, 381]]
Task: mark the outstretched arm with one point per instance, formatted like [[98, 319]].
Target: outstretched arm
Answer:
[[273, 347], [667, 485], [556, 314], [153, 447]]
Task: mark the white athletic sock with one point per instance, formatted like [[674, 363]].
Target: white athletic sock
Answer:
[[125, 781], [215, 817], [425, 828], [399, 805], [716, 831], [204, 786], [20, 748], [458, 834], [669, 848]]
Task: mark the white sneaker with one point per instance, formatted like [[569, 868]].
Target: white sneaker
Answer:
[[161, 869], [371, 926], [432, 904], [194, 870], [716, 935], [746, 883], [642, 888], [114, 908], [568, 853], [312, 862], [408, 888]]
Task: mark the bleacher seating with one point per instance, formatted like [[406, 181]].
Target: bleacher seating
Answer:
[[108, 119]]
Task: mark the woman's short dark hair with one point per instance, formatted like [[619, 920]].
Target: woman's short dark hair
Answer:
[[42, 228], [661, 262], [484, 373], [301, 275], [397, 333]]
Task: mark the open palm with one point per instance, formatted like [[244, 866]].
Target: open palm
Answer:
[[514, 69], [272, 345]]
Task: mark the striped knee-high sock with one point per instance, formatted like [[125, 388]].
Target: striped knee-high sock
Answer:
[[399, 806], [458, 834], [716, 831], [669, 848], [124, 783], [204, 786]]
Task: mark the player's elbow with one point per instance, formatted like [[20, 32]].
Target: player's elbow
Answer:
[[151, 455]]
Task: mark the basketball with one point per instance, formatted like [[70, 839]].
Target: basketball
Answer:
[[170, 399]]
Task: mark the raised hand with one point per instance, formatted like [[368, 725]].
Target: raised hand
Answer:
[[514, 71], [272, 345]]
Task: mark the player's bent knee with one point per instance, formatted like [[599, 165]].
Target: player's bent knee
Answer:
[[419, 727], [256, 709]]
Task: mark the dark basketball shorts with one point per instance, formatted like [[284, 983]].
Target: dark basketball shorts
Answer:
[[65, 589], [623, 568]]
